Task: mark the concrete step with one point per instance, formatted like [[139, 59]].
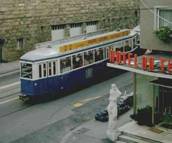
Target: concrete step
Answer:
[[148, 140], [128, 139]]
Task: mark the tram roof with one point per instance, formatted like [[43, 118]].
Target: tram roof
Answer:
[[48, 52], [40, 53]]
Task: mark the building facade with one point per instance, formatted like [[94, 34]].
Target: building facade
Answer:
[[155, 14], [153, 70], [153, 90], [24, 23]]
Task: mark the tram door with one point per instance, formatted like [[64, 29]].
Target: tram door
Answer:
[[164, 104]]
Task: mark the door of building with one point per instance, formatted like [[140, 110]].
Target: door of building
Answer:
[[164, 104], [1, 45]]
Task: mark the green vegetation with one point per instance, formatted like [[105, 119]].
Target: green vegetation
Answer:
[[164, 34]]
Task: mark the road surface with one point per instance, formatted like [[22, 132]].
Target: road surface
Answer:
[[53, 121]]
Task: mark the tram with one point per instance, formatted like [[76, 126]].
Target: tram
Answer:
[[58, 68]]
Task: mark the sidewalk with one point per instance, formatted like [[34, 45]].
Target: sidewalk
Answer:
[[93, 131], [9, 68], [154, 134]]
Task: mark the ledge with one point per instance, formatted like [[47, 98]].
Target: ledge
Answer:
[[140, 71]]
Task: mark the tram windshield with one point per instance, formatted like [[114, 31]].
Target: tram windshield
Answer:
[[26, 70]]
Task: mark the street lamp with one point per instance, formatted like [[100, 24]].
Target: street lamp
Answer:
[[2, 41]]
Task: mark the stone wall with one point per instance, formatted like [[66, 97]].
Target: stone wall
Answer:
[[32, 19]]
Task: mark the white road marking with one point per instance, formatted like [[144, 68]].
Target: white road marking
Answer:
[[9, 100], [9, 85]]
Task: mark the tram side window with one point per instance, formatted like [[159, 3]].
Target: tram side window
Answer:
[[77, 61], [88, 57], [65, 64], [137, 39], [108, 49], [127, 46], [118, 49], [26, 70], [134, 41], [40, 70], [49, 69], [44, 70], [119, 46], [104, 53], [54, 68], [98, 54]]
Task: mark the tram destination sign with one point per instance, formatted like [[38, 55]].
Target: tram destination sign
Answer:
[[94, 41]]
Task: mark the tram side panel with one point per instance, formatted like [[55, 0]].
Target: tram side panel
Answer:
[[59, 85]]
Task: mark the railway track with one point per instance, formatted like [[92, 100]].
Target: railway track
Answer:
[[9, 95], [15, 111], [11, 100]]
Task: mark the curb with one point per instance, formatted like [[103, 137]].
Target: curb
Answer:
[[9, 73]]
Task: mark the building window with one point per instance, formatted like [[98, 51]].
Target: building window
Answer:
[[56, 27], [75, 29], [91, 26], [20, 43], [42, 28], [74, 25], [163, 17], [57, 32]]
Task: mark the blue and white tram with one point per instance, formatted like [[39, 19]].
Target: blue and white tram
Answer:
[[62, 68]]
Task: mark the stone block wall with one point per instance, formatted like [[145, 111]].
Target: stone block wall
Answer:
[[31, 20]]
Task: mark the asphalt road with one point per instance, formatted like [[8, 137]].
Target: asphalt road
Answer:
[[9, 87], [51, 121], [5, 80]]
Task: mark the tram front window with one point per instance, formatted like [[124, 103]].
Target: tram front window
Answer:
[[26, 70]]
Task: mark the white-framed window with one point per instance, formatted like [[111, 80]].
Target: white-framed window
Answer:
[[88, 57], [57, 32], [47, 68], [75, 29], [26, 70], [162, 17], [77, 60], [65, 64], [44, 69], [91, 26], [99, 54]]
